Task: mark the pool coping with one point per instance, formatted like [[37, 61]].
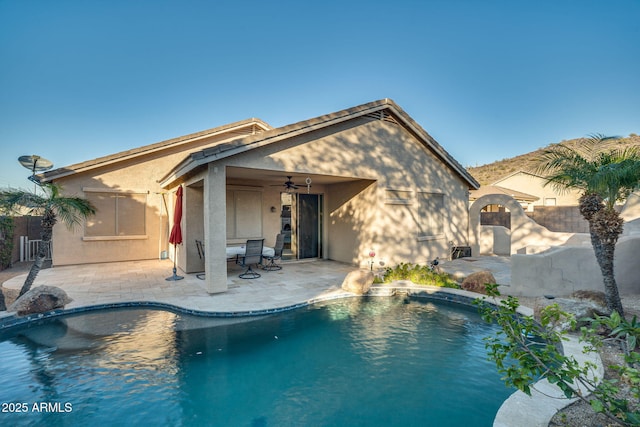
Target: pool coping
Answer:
[[518, 410], [459, 296]]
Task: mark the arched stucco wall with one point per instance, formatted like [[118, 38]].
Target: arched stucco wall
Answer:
[[562, 270], [572, 266], [524, 231]]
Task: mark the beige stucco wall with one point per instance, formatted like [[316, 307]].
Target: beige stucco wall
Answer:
[[494, 240], [525, 234], [358, 218], [69, 247], [192, 228], [562, 269], [139, 174], [534, 185]]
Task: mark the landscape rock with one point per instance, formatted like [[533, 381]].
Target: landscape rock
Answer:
[[581, 306], [40, 300], [475, 282], [358, 281]]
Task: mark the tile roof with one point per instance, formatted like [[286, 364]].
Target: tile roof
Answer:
[[231, 130], [495, 189]]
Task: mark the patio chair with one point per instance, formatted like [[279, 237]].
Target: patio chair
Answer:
[[271, 260], [200, 248], [252, 255]]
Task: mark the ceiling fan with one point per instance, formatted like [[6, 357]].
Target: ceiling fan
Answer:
[[288, 184]]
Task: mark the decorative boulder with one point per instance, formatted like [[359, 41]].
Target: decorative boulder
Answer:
[[40, 300], [595, 296], [580, 305], [358, 282], [475, 282]]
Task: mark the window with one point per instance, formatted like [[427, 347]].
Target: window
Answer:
[[244, 214], [549, 201], [430, 212], [118, 214]]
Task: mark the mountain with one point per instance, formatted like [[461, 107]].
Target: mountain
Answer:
[[487, 174]]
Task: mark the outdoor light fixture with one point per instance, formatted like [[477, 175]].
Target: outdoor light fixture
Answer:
[[290, 187]]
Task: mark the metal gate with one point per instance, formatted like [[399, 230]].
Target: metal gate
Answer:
[[29, 249]]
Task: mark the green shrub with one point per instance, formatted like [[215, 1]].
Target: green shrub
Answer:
[[418, 274], [522, 361]]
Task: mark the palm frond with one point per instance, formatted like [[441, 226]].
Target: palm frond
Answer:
[[70, 210], [563, 168], [73, 210], [15, 201], [596, 165]]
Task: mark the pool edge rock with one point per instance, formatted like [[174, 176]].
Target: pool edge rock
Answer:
[[40, 299]]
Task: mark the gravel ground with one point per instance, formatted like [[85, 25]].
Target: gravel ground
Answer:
[[580, 414], [18, 268]]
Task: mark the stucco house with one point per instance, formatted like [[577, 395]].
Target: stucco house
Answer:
[[534, 185], [554, 209], [367, 178]]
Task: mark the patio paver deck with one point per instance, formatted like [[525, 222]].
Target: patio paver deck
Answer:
[[145, 281]]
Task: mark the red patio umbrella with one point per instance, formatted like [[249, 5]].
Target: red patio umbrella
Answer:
[[175, 237]]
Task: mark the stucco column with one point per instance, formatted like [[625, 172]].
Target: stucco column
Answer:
[[215, 229]]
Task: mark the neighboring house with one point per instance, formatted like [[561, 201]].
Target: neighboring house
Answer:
[[524, 199], [529, 183], [551, 208], [376, 181]]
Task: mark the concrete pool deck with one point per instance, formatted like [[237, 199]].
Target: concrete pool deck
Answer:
[[298, 283]]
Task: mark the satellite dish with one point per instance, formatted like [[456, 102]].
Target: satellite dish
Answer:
[[35, 163]]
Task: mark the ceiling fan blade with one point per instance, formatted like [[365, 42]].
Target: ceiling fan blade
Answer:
[[288, 184]]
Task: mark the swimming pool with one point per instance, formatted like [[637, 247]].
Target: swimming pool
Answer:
[[360, 361]]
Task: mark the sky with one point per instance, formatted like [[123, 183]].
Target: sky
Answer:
[[489, 79]]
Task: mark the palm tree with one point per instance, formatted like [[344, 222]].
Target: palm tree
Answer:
[[52, 205], [605, 173]]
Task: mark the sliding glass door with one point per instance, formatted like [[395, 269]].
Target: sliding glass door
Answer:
[[301, 216], [309, 235]]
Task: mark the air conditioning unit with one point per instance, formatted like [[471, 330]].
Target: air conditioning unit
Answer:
[[460, 252]]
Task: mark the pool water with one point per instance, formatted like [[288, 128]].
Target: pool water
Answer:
[[353, 362]]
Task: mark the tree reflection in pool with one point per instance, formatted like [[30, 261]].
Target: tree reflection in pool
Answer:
[[359, 361]]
